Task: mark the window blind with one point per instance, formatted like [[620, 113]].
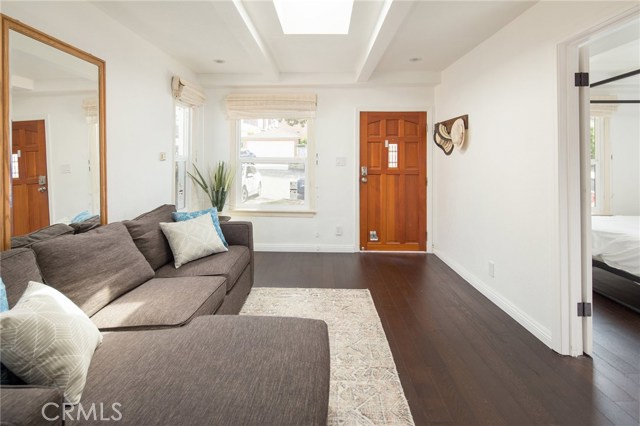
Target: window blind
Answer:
[[290, 105], [187, 92]]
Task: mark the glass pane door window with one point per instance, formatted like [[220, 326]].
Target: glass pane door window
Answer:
[[181, 154]]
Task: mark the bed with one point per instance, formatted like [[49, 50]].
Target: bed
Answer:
[[615, 244]]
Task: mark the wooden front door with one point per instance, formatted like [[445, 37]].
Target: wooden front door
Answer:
[[393, 181], [30, 207]]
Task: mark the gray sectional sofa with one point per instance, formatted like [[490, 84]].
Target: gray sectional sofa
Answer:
[[165, 358]]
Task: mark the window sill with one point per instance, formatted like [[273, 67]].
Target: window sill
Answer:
[[273, 213]]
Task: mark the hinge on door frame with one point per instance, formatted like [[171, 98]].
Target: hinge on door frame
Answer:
[[584, 309], [582, 79]]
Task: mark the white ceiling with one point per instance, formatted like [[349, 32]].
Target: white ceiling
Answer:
[[38, 69], [383, 37]]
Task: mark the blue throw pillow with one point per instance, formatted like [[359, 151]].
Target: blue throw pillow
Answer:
[[4, 303], [182, 216], [81, 217]]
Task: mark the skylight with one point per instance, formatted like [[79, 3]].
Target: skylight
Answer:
[[314, 16]]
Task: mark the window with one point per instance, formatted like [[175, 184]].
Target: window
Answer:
[[273, 164], [600, 165], [181, 153]]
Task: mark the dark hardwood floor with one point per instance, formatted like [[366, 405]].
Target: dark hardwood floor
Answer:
[[462, 360]]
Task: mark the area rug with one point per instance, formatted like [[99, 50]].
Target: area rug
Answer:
[[365, 388]]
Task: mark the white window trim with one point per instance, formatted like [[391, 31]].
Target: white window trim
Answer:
[[308, 210], [603, 172]]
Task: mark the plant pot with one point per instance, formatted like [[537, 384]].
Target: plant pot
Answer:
[[224, 218]]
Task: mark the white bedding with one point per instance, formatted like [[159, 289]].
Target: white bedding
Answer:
[[615, 240]]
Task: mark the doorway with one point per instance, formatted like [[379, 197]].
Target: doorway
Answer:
[[30, 206], [578, 190], [393, 182]]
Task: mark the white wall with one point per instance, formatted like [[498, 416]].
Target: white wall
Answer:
[[336, 135], [67, 145], [140, 116], [497, 200], [625, 166]]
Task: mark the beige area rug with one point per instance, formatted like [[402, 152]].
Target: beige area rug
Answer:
[[365, 388]]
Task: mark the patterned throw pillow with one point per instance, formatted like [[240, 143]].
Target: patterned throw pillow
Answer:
[[182, 216], [192, 239], [47, 340]]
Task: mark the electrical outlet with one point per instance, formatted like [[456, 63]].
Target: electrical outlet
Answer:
[[491, 268], [317, 235], [339, 230]]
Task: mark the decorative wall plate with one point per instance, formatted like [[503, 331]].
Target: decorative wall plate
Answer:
[[458, 133], [445, 144]]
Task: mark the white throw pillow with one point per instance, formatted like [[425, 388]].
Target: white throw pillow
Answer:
[[47, 340], [192, 239]]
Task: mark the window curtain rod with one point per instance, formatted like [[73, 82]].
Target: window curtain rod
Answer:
[[616, 78]]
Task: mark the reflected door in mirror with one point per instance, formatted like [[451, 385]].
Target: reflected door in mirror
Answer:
[[30, 209]]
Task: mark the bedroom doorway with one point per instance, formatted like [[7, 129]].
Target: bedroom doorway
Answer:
[[573, 333], [614, 130]]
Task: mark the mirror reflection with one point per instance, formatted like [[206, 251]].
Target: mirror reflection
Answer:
[[54, 125]]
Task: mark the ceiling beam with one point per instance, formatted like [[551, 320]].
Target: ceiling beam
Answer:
[[391, 17], [241, 26]]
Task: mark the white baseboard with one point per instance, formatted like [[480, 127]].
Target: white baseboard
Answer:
[[306, 248], [533, 326]]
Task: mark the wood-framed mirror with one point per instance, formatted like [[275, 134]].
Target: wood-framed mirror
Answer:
[[53, 132]]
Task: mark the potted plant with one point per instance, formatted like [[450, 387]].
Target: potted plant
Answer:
[[216, 186]]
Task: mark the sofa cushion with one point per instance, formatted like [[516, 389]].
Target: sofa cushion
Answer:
[[49, 341], [192, 239], [93, 268], [18, 267], [216, 370], [229, 264], [31, 405], [146, 234], [162, 302], [86, 225], [43, 234]]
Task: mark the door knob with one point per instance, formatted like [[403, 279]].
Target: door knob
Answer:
[[42, 189], [364, 180]]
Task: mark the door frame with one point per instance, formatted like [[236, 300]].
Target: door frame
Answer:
[[428, 109], [570, 334]]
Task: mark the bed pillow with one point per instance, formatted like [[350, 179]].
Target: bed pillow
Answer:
[[192, 239], [47, 340], [182, 216]]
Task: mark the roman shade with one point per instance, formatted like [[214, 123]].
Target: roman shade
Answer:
[[187, 92], [287, 105], [603, 110]]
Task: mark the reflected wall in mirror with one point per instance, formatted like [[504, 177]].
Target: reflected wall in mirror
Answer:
[[54, 164]]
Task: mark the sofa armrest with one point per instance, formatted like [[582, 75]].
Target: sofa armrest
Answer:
[[31, 405], [238, 233]]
